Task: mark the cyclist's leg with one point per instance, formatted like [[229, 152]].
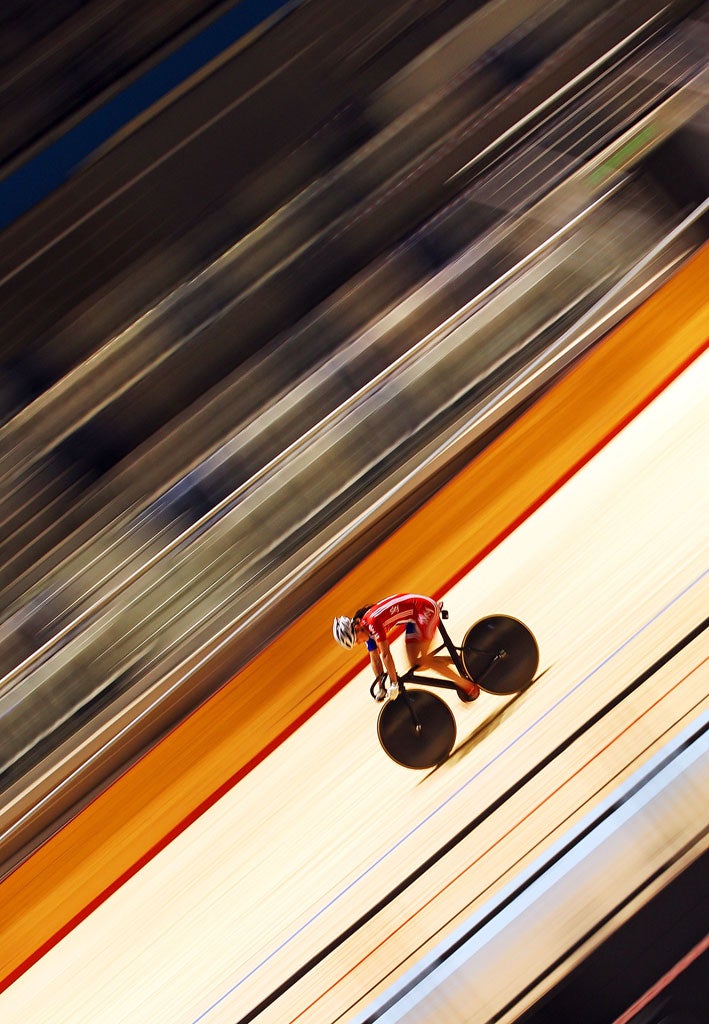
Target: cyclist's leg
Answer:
[[420, 632], [413, 644]]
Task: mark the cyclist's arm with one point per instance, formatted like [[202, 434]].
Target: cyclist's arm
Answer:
[[384, 655], [375, 660]]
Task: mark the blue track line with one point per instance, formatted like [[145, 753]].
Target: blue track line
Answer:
[[476, 775]]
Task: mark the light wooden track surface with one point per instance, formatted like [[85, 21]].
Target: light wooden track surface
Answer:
[[611, 572], [573, 588]]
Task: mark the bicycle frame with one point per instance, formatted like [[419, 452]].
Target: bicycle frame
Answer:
[[455, 653], [412, 676], [418, 729]]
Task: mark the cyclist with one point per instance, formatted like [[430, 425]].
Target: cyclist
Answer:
[[371, 624]]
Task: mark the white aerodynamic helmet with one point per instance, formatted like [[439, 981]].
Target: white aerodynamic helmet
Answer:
[[343, 631]]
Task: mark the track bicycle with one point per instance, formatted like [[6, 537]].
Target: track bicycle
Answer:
[[418, 730]]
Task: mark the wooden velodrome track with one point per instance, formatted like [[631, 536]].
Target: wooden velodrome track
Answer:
[[226, 888]]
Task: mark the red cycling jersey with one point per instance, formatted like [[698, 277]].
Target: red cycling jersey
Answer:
[[422, 612]]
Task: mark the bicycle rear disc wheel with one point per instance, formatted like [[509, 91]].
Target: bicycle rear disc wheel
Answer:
[[500, 654], [425, 748]]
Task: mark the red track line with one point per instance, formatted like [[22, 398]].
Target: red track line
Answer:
[[229, 783], [674, 972], [499, 840], [577, 466]]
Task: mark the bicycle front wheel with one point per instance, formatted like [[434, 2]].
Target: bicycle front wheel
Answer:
[[417, 730]]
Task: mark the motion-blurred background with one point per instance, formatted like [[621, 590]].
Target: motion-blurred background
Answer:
[[270, 275]]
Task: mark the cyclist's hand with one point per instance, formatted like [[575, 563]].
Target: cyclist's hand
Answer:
[[392, 689], [378, 688]]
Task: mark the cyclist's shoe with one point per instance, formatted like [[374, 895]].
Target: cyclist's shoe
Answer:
[[468, 691]]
